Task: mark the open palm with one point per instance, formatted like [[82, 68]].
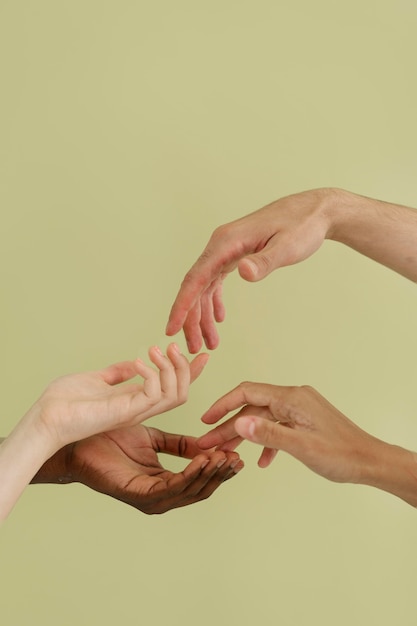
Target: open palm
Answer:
[[124, 464]]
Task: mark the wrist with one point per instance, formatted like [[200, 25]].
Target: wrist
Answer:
[[392, 469], [22, 453], [341, 209], [57, 469]]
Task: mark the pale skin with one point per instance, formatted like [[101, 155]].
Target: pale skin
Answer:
[[284, 233], [100, 416]]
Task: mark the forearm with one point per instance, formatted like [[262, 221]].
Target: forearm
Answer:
[[384, 232], [22, 453], [393, 469]]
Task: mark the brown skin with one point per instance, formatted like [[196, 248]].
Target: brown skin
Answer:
[[301, 422], [124, 464]]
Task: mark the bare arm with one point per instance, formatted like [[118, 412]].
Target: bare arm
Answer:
[[286, 232], [384, 232], [82, 405], [301, 422]]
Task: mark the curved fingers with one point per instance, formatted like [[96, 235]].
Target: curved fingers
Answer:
[[269, 434], [196, 482], [267, 456], [118, 372], [207, 320], [197, 365], [225, 435], [184, 446], [209, 266], [192, 330], [257, 394]]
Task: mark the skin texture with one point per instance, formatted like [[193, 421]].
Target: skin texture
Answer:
[[78, 406], [298, 420], [286, 232], [124, 464], [301, 422]]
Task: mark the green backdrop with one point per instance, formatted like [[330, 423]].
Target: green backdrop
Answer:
[[129, 131]]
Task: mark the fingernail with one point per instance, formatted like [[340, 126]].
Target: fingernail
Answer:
[[252, 266], [176, 347], [233, 464], [205, 463], [222, 462]]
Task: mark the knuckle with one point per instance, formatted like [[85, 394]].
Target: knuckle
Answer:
[[245, 388], [263, 260], [220, 232]]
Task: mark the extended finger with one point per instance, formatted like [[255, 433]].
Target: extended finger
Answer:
[[267, 456], [197, 365], [207, 325], [225, 436], [192, 330], [219, 436], [151, 383], [167, 374], [184, 446], [206, 269], [266, 433], [257, 394], [181, 370], [218, 306], [119, 372]]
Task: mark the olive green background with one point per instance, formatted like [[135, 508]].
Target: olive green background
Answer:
[[128, 132]]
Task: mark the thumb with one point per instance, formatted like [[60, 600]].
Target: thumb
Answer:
[[260, 430], [254, 267]]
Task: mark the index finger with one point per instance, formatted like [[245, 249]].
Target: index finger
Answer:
[[256, 394], [195, 282], [220, 256]]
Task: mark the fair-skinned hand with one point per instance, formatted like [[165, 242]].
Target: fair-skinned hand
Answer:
[[283, 233], [80, 405], [299, 421], [124, 464]]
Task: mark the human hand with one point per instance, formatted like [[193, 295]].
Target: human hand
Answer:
[[78, 406], [124, 464], [282, 233], [299, 421]]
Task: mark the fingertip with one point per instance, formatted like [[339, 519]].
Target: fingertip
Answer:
[[248, 270], [245, 427], [262, 463], [212, 341], [204, 358], [207, 419], [194, 346], [172, 327], [154, 352], [174, 350]]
